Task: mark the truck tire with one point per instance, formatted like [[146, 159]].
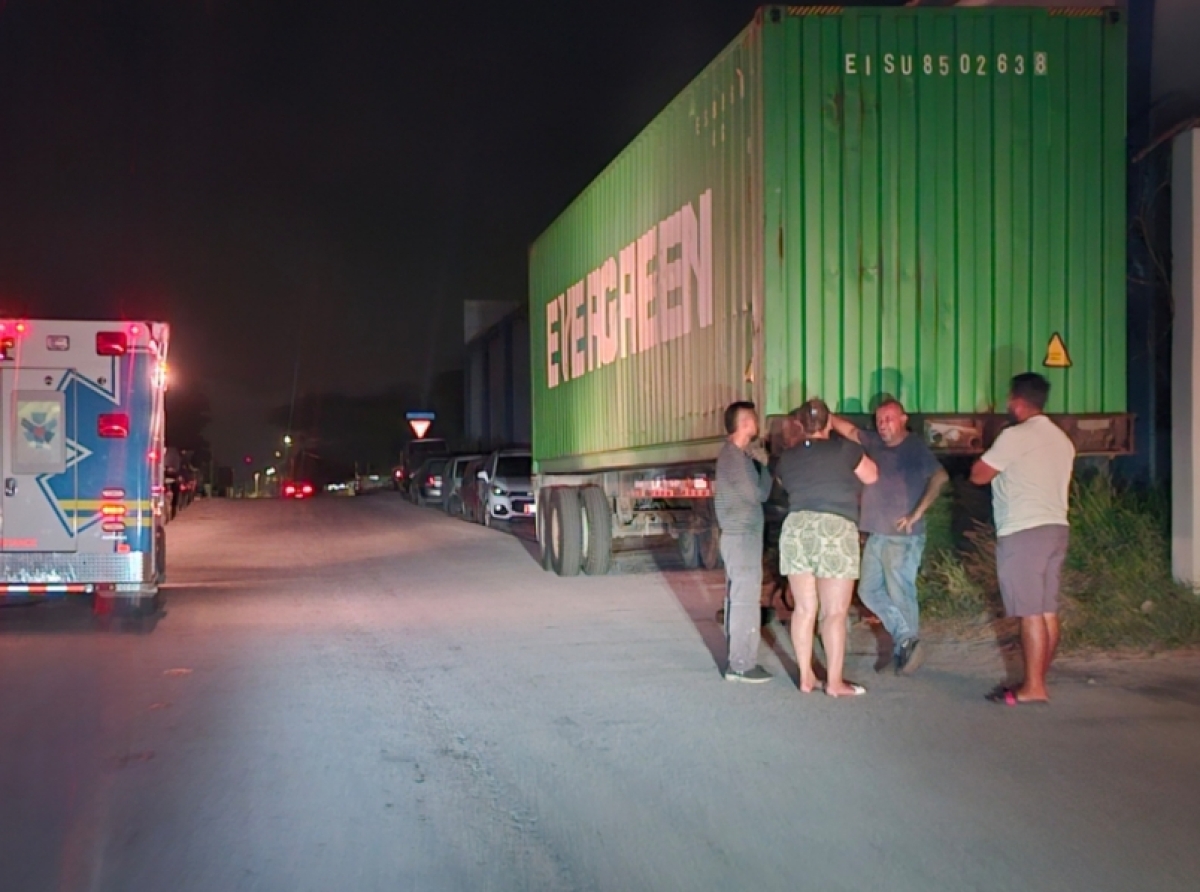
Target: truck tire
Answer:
[[710, 549], [689, 549], [597, 544], [566, 531]]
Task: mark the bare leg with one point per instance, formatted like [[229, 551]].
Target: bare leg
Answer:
[[1035, 642], [835, 597], [1053, 636], [804, 618]]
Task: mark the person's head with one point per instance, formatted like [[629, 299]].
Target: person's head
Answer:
[[891, 421], [741, 421], [813, 419], [1027, 396]]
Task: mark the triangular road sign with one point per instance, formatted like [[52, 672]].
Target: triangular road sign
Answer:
[[420, 426]]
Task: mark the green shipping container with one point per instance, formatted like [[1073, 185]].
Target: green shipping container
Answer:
[[846, 202]]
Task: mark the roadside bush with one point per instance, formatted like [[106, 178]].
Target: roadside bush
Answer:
[[1117, 585]]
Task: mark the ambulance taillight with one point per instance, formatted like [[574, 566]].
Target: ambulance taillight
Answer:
[[113, 425], [112, 343]]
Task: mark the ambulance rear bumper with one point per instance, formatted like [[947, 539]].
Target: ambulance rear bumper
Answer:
[[25, 573]]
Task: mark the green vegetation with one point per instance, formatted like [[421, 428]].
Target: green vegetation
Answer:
[[1117, 585]]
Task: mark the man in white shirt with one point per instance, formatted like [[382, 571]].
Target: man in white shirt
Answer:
[[1029, 467]]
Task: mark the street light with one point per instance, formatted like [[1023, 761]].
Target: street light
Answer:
[[287, 439]]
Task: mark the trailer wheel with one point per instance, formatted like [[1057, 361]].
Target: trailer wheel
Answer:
[[566, 531], [597, 541], [710, 549], [689, 549]]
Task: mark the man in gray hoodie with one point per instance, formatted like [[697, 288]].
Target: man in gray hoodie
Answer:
[[743, 484]]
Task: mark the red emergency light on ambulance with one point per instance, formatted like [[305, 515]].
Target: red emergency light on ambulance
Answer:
[[81, 446]]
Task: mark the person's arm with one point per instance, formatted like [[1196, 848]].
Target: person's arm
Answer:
[[982, 473], [995, 460], [737, 477], [845, 428], [933, 489], [766, 482], [866, 470]]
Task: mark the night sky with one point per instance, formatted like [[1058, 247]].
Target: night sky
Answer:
[[326, 181], [323, 181]]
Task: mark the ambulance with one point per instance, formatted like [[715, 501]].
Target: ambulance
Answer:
[[81, 461]]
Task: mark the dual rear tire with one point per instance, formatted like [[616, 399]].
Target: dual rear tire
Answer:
[[575, 530]]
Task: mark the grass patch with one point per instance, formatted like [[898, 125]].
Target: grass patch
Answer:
[[1117, 585]]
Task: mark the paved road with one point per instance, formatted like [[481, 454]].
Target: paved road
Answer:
[[361, 695]]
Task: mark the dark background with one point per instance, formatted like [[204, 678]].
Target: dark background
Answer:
[[309, 191]]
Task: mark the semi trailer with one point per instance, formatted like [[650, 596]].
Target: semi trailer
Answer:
[[845, 203]]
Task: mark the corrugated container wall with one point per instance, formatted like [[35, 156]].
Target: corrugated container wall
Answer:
[[496, 378], [844, 203]]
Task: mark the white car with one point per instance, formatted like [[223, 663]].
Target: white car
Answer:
[[506, 486]]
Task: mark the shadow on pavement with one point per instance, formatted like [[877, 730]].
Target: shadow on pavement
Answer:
[[69, 616], [701, 593]]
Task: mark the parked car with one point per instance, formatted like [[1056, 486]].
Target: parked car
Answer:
[[415, 454], [452, 482], [506, 481], [472, 490], [428, 482]]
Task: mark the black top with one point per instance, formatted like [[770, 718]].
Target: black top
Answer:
[[819, 476]]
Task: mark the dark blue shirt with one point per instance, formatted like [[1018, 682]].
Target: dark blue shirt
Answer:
[[904, 472]]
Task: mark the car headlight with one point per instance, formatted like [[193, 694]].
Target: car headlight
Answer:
[[498, 491]]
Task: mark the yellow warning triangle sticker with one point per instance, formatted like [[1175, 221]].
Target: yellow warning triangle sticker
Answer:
[[1057, 356]]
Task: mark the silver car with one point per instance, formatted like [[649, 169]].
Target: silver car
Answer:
[[453, 483], [506, 482]]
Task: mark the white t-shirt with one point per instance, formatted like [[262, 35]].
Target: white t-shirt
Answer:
[[1035, 459]]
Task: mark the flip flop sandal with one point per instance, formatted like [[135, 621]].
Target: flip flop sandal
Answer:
[[1008, 697], [856, 690]]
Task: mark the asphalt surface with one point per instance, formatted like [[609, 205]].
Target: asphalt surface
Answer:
[[356, 694]]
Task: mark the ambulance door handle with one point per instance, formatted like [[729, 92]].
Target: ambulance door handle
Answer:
[[10, 486]]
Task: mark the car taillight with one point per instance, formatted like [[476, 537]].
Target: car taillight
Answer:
[[289, 490], [113, 425], [307, 490], [435, 481], [112, 343]]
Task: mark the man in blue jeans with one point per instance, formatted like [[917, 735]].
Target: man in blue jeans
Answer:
[[892, 516]]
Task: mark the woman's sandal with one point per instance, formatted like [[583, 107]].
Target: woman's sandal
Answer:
[[1008, 697], [856, 690]]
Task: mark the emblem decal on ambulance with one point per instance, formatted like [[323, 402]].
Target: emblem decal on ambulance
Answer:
[[39, 422]]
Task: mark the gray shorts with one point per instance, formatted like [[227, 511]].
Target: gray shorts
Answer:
[[1029, 564]]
